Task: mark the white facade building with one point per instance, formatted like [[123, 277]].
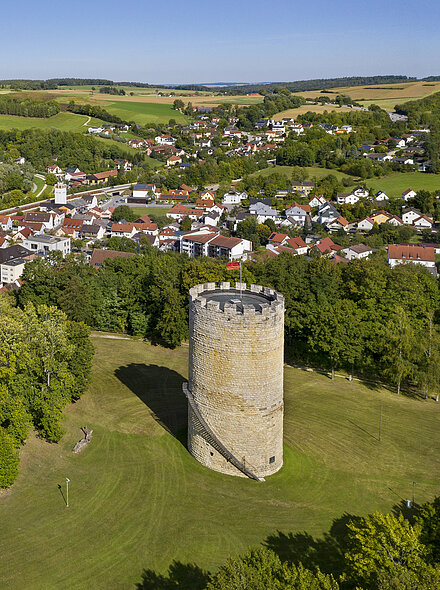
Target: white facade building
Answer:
[[43, 244]]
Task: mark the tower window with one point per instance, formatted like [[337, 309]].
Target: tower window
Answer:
[[272, 459]]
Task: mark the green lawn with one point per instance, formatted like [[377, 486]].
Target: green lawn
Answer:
[[62, 121], [151, 210], [313, 171], [139, 500], [39, 184], [395, 184], [144, 112]]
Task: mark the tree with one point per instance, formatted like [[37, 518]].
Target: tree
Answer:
[[428, 353], [398, 344], [186, 224], [76, 302], [428, 518], [178, 105], [172, 326], [261, 569], [401, 578], [9, 459], [336, 332], [380, 542], [50, 179], [123, 212]]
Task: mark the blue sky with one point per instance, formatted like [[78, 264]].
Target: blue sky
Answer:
[[172, 41]]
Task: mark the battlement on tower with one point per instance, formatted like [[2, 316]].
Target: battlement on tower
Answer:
[[222, 298]]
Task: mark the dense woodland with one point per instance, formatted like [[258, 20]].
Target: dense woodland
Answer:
[[45, 360], [39, 147], [395, 551], [363, 316], [25, 107]]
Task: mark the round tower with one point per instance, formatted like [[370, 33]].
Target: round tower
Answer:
[[235, 389]]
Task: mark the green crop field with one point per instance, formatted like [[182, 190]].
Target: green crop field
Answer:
[[144, 112], [395, 184], [138, 500], [62, 121]]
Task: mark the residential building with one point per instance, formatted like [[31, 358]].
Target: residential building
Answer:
[[399, 254], [357, 251], [11, 271], [43, 244]]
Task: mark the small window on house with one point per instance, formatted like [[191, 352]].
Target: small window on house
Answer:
[[272, 459]]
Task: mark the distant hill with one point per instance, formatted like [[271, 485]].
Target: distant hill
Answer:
[[320, 83]]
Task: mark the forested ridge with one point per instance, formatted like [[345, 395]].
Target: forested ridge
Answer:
[[363, 316], [39, 147], [45, 361]]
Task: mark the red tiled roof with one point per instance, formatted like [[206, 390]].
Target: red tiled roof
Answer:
[[98, 256], [411, 253]]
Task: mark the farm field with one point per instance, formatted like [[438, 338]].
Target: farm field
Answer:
[[143, 112], [138, 500], [395, 184], [405, 91], [314, 108], [62, 121]]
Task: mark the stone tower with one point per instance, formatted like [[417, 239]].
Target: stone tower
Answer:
[[235, 388], [60, 194]]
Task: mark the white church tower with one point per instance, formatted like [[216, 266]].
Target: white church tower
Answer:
[[60, 194]]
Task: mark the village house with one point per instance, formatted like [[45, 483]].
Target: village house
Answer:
[[233, 197], [100, 177], [347, 198], [263, 212], [43, 244], [408, 194], [410, 214], [179, 212], [423, 222], [337, 224], [399, 254], [357, 252], [303, 187], [326, 214], [208, 243]]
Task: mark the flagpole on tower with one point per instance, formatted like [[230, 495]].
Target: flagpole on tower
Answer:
[[241, 285]]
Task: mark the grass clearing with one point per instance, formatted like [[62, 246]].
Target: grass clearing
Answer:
[[138, 499], [152, 210], [313, 172], [63, 121], [395, 184]]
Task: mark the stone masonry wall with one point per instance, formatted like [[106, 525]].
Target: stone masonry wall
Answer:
[[236, 379]]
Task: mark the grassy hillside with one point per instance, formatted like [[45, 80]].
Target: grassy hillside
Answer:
[[313, 172], [395, 184], [62, 121], [144, 112], [138, 499]]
